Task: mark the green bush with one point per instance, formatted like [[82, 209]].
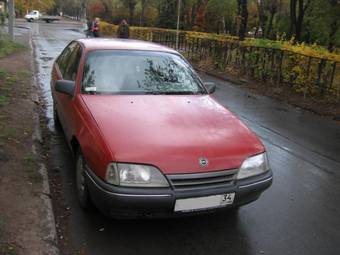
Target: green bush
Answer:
[[8, 47]]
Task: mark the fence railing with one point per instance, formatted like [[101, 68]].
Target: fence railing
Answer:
[[311, 76]]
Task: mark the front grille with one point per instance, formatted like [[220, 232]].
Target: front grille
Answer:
[[202, 180]]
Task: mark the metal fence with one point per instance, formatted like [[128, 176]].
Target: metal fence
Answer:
[[305, 74]]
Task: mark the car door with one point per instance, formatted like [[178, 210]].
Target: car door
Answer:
[[68, 68]]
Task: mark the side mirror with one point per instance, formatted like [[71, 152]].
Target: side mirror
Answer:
[[65, 87], [210, 86]]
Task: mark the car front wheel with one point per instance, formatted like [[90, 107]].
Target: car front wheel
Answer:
[[56, 117], [82, 189]]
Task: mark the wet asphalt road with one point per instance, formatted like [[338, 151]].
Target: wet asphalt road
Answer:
[[299, 214]]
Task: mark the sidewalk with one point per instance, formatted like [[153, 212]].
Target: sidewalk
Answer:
[[26, 219]]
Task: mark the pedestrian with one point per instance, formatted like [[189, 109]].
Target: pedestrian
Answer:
[[89, 33], [96, 28], [123, 30]]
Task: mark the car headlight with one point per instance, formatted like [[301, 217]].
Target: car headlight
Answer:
[[133, 175], [254, 165]]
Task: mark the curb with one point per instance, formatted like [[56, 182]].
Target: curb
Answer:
[[222, 77], [22, 27], [48, 222]]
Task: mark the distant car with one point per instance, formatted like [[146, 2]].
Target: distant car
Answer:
[[36, 15], [148, 137]]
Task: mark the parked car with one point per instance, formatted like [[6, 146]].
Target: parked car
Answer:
[[149, 138], [36, 15]]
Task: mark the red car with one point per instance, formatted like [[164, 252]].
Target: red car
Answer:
[[148, 137]]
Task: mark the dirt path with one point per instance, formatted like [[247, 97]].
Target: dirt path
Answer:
[[22, 209]]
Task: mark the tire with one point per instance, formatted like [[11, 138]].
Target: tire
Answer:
[[56, 117], [82, 189], [30, 20]]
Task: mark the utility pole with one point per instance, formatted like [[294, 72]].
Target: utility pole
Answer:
[[178, 20], [11, 19]]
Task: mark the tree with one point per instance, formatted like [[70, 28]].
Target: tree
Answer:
[[167, 9], [262, 21], [22, 6], [242, 11], [72, 7], [307, 20], [143, 4], [131, 5], [297, 12], [272, 8], [334, 25], [216, 15], [95, 9]]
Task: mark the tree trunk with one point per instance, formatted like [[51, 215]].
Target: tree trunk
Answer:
[[143, 6], [334, 25], [292, 17], [223, 25], [107, 10], [243, 14], [297, 21], [332, 34], [260, 7], [193, 15], [131, 12], [273, 11], [270, 24]]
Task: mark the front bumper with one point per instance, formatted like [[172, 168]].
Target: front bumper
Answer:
[[122, 202]]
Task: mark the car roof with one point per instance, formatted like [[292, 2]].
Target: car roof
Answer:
[[122, 44]]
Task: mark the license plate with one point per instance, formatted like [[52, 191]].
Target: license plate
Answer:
[[201, 203]]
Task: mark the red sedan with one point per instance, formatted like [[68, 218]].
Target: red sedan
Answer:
[[148, 137]]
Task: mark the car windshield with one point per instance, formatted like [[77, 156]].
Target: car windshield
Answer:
[[138, 72]]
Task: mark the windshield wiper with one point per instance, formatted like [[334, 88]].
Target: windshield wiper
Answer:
[[172, 93]]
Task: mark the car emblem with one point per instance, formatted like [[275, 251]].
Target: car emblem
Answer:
[[203, 162]]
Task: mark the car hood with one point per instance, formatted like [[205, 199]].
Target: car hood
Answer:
[[172, 132]]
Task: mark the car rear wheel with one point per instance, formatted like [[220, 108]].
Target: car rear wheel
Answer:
[[82, 189]]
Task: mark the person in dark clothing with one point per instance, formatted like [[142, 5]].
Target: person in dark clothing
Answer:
[[123, 30], [96, 28], [89, 29]]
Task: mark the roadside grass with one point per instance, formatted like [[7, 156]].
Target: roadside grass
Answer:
[[7, 81], [8, 249], [2, 227], [8, 47], [2, 223], [32, 168], [5, 248], [4, 100], [7, 132]]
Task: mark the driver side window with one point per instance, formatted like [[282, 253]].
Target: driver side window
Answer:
[[73, 64], [68, 61]]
